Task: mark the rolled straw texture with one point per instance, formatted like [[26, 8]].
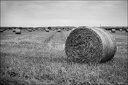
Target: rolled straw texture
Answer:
[[90, 45]]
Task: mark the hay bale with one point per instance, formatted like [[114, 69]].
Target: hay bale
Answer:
[[1, 30], [29, 29], [59, 30], [47, 30], [126, 30], [90, 45], [17, 31], [13, 30], [120, 29], [113, 30]]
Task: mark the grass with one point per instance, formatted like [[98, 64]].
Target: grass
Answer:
[[27, 59]]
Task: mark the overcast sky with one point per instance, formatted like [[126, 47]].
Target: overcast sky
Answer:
[[61, 13]]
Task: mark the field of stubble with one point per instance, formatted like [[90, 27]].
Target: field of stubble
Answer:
[[38, 58]]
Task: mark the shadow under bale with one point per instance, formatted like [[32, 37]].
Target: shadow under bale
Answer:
[[90, 45]]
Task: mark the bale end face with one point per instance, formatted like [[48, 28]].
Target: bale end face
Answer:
[[83, 45], [86, 45]]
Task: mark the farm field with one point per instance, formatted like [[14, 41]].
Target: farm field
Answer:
[[38, 58]]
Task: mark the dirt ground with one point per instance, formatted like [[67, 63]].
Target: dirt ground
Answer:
[[38, 58]]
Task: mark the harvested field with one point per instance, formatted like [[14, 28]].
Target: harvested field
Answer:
[[38, 58]]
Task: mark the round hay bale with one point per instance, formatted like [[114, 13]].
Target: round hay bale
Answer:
[[17, 31], [1, 30], [13, 30], [113, 30], [46, 30], [29, 29], [90, 45], [59, 30], [120, 29], [126, 30]]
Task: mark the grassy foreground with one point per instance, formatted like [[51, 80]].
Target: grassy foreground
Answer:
[[38, 58]]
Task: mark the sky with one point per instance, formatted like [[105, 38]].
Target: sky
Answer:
[[64, 13]]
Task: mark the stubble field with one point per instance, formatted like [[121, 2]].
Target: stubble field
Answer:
[[38, 58]]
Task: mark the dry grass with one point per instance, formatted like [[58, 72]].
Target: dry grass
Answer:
[[25, 60]]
